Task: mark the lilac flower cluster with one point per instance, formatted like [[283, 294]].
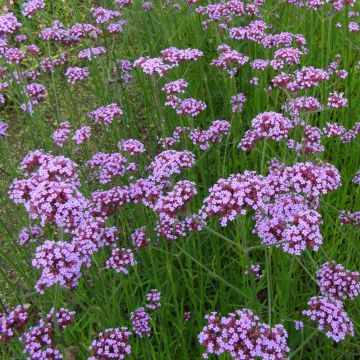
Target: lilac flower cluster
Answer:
[[131, 146], [29, 234], [13, 322], [229, 60], [330, 316], [30, 7], [256, 271], [82, 134], [102, 15], [50, 193], [61, 135], [139, 239], [237, 102], [92, 53], [243, 336], [39, 341], [111, 344], [267, 125], [120, 260], [76, 74], [106, 114], [153, 300], [335, 281], [140, 320]]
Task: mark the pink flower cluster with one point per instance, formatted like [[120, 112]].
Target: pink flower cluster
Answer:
[[241, 335], [256, 271], [60, 135], [303, 79], [92, 53]]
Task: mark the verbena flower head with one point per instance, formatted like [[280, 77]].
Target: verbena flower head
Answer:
[[102, 15], [151, 66], [140, 321], [111, 344], [106, 114], [335, 281], [242, 336], [229, 60], [76, 74], [59, 262], [233, 196], [175, 56], [31, 7], [237, 102], [92, 53], [330, 316], [82, 134], [120, 260], [8, 23], [108, 166], [131, 146], [190, 107], [3, 129], [153, 299], [13, 322], [61, 135], [139, 239]]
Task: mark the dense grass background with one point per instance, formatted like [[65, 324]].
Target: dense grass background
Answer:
[[203, 272]]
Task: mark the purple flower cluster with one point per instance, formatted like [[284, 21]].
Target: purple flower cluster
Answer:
[[30, 7], [13, 322], [139, 239], [120, 260], [111, 344], [39, 341], [237, 102], [140, 320], [330, 316], [102, 15], [92, 53], [131, 146], [256, 271], [61, 135], [243, 336], [153, 299], [335, 281], [108, 166], [30, 234], [82, 134], [60, 264], [267, 125], [229, 60], [106, 114], [76, 74]]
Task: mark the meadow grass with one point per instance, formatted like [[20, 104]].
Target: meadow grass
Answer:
[[202, 272]]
